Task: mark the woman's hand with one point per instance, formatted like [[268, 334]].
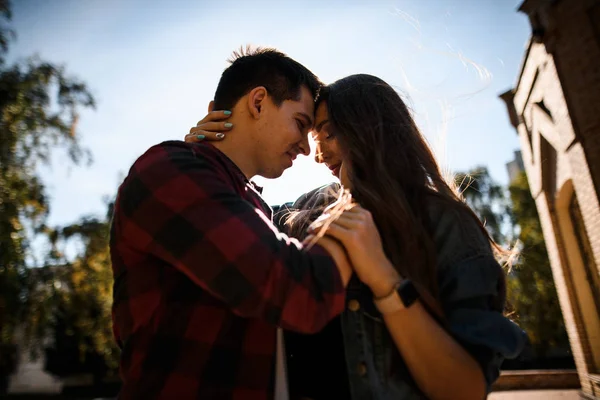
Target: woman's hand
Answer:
[[212, 127], [357, 232]]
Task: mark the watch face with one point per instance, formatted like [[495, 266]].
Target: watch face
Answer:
[[404, 296], [408, 292]]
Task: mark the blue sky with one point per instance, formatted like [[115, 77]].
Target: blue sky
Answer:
[[153, 67]]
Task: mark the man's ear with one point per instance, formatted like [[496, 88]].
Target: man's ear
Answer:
[[211, 106], [256, 101]]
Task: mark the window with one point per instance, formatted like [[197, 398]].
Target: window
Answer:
[[585, 248]]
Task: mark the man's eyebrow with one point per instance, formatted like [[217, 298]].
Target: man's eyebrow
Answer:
[[308, 120], [321, 124]]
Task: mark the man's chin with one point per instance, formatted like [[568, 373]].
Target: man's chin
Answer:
[[273, 174], [275, 171]]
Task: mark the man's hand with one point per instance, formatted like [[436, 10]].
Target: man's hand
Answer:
[[336, 250]]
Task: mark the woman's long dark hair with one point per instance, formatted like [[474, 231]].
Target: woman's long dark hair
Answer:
[[393, 172]]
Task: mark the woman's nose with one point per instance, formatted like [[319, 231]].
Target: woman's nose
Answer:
[[320, 155]]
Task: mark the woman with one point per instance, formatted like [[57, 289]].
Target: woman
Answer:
[[447, 338]]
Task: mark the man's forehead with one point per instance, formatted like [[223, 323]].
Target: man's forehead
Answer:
[[304, 107], [306, 102], [307, 109]]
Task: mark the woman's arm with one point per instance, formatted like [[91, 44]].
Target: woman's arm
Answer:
[[441, 367]]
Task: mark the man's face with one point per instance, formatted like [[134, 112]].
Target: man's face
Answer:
[[283, 134]]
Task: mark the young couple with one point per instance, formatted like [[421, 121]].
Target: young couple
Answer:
[[402, 298]]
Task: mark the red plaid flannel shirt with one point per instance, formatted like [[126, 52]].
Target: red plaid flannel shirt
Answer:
[[202, 279]]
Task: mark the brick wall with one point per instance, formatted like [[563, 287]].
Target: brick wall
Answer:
[[555, 108], [575, 47]]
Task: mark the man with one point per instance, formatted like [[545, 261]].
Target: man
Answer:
[[202, 277]]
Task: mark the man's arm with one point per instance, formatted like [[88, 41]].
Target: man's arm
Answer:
[[182, 208]]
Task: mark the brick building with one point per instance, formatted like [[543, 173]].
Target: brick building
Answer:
[[555, 108]]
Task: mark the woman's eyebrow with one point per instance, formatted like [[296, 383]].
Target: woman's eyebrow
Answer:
[[320, 125]]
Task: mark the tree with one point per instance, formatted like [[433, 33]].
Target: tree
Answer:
[[81, 332], [487, 198], [531, 287], [512, 217], [39, 107]]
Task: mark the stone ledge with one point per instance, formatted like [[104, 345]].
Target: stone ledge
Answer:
[[537, 379]]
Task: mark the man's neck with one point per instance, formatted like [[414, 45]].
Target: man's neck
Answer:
[[238, 153]]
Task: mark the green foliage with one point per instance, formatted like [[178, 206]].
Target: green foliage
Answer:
[[486, 198], [512, 217], [81, 327], [531, 287], [39, 107]]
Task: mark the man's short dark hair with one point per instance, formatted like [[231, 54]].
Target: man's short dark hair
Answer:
[[280, 75]]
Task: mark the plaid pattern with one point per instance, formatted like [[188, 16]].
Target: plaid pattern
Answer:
[[202, 279]]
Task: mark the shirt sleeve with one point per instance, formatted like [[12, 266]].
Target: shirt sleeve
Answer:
[[182, 207], [473, 296]]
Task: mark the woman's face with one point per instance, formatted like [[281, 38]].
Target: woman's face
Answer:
[[328, 150]]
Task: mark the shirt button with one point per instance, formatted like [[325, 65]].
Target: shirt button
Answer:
[[353, 305], [362, 369]]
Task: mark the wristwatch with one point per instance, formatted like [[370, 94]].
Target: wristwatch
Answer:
[[402, 296]]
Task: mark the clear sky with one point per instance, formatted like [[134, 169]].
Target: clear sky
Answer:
[[153, 67]]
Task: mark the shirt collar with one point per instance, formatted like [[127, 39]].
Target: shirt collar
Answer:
[[259, 189], [234, 168]]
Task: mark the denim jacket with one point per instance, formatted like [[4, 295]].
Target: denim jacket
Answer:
[[472, 294]]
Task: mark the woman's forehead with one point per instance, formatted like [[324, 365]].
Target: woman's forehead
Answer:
[[321, 118], [321, 111]]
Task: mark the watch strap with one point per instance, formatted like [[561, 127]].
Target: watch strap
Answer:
[[403, 296]]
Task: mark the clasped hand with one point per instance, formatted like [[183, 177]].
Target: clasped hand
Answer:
[[354, 227]]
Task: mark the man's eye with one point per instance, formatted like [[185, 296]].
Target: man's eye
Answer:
[[300, 124]]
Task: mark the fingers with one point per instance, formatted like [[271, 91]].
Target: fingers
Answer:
[[215, 116], [349, 217], [202, 135], [355, 209], [348, 227], [212, 128], [348, 221], [358, 213], [319, 222], [339, 232], [337, 204], [307, 240]]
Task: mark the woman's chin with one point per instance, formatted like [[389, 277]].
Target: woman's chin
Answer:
[[344, 178], [345, 184]]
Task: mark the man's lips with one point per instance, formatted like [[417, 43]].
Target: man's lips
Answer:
[[292, 155]]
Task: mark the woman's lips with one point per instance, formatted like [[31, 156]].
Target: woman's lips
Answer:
[[335, 169]]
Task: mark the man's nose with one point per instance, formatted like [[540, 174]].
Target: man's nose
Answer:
[[304, 146]]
